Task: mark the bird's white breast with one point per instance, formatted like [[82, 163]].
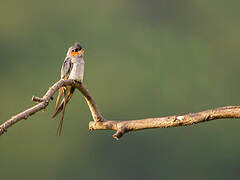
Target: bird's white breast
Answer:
[[77, 70]]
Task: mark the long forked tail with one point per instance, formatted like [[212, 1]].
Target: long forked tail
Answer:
[[60, 93], [59, 130], [61, 108], [67, 96]]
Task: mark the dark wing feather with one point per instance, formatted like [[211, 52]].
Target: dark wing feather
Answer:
[[65, 72], [67, 91], [66, 68]]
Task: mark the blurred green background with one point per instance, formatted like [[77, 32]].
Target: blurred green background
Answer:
[[143, 59]]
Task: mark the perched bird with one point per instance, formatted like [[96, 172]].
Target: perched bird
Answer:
[[72, 68]]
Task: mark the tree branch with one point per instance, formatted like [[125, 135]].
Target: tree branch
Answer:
[[44, 101], [122, 127]]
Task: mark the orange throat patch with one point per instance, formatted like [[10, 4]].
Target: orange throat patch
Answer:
[[74, 54]]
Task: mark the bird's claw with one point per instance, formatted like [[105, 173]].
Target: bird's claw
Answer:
[[77, 82]]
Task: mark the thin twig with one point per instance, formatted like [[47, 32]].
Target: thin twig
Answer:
[[122, 127]]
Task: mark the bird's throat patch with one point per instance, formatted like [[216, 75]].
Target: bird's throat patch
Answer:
[[73, 53]]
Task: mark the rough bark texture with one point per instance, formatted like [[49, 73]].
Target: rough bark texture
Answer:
[[122, 127]]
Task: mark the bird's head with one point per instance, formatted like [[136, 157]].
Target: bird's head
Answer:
[[76, 51]]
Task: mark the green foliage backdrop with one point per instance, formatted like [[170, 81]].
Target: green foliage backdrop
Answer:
[[143, 59]]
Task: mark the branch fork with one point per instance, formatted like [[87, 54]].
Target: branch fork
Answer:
[[121, 127]]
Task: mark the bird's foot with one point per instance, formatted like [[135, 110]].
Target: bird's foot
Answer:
[[78, 82]]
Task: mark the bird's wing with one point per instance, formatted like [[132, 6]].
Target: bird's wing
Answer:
[[66, 68], [65, 72]]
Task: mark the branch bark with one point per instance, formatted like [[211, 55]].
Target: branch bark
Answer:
[[122, 127], [42, 104]]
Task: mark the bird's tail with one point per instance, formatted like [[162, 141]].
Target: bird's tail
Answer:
[[67, 96], [60, 92]]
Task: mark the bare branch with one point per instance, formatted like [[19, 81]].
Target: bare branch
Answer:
[[42, 104], [44, 101], [122, 127], [90, 101]]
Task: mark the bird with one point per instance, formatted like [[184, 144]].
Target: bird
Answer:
[[72, 68]]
